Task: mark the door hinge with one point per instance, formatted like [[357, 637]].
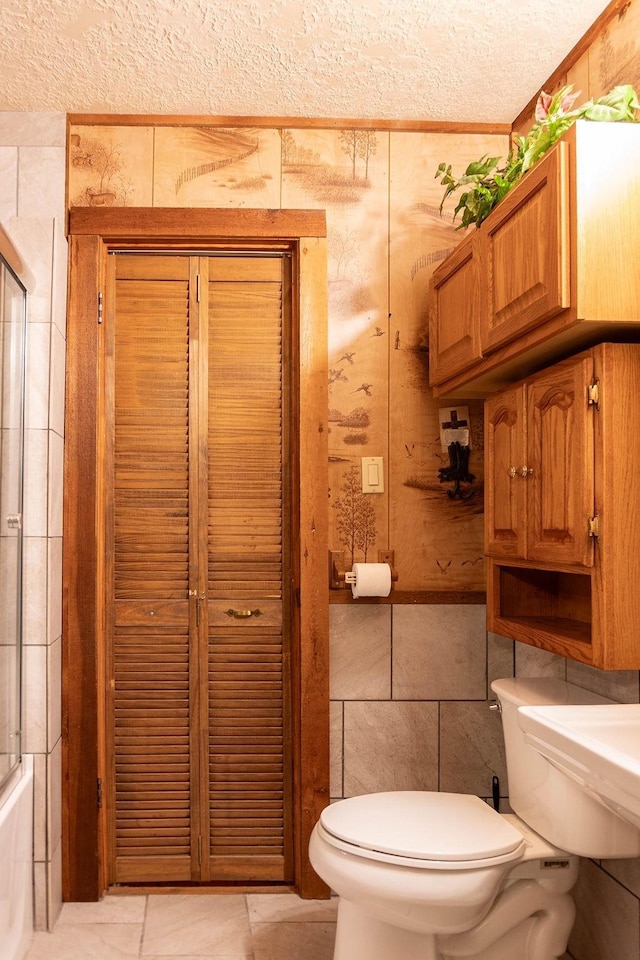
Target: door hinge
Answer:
[[99, 792], [199, 850], [197, 288], [593, 395], [593, 526], [100, 307]]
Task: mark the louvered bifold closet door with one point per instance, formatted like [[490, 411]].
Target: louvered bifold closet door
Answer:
[[248, 563], [153, 805]]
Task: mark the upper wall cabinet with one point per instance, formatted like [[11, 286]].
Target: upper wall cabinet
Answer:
[[454, 336], [554, 262]]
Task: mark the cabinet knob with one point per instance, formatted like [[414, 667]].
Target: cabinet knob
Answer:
[[513, 472], [526, 471]]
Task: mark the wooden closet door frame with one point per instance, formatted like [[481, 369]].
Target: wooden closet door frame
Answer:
[[93, 234]]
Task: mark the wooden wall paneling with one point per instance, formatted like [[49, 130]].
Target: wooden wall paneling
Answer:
[[216, 167], [83, 874], [346, 173], [317, 171], [614, 57], [438, 541], [614, 11], [110, 166], [307, 123]]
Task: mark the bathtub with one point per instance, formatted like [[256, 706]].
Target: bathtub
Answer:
[[16, 863]]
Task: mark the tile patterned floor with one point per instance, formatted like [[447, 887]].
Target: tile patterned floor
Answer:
[[199, 927]]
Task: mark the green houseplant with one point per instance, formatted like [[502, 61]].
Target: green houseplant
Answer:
[[489, 179]]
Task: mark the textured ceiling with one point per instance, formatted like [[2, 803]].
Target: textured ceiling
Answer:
[[459, 60]]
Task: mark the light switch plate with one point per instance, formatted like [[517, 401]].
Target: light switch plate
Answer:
[[372, 474]]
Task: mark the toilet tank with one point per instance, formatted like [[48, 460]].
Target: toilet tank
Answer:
[[546, 799]]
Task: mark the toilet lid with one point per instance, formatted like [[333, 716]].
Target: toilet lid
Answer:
[[422, 825]]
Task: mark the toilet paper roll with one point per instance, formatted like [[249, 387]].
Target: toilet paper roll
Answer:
[[372, 580]]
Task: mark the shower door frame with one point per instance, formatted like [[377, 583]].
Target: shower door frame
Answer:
[[93, 233]]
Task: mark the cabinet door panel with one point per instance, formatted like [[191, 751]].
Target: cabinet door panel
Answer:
[[454, 333], [560, 485], [505, 487], [527, 253]]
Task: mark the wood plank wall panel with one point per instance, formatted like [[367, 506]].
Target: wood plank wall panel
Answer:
[[347, 174], [216, 167], [607, 55], [110, 167], [438, 540], [374, 196]]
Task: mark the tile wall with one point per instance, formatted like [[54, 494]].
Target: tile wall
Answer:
[[32, 211], [409, 710], [409, 705]]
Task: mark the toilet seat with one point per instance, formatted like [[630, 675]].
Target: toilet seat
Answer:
[[430, 830]]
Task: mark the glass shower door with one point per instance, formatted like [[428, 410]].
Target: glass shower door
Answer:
[[12, 380]]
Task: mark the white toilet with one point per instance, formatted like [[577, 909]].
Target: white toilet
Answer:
[[432, 876]]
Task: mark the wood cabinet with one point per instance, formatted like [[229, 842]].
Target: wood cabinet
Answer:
[[539, 446], [555, 266], [454, 338], [526, 245], [562, 527]]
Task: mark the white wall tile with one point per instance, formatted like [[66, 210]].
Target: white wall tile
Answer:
[[35, 699], [33, 239], [54, 798], [34, 591], [41, 179], [35, 483], [39, 806], [37, 379], [45, 129], [54, 589], [54, 698], [56, 467], [40, 895], [56, 386], [8, 183], [54, 886], [59, 285]]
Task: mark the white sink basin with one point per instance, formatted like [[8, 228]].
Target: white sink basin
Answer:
[[597, 745]]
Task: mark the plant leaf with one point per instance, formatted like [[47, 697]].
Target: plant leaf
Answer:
[[489, 179]]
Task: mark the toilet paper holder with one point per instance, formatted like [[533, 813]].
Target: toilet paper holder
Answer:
[[340, 578]]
